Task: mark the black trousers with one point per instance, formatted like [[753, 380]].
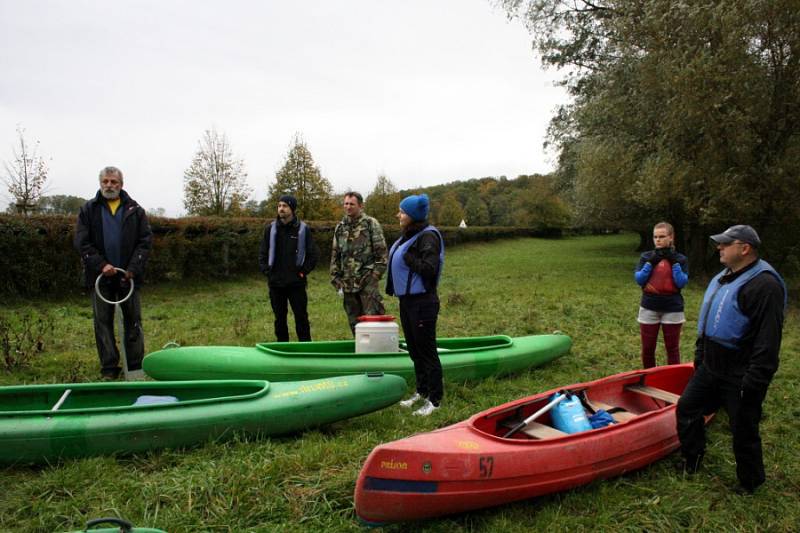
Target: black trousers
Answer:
[[104, 328], [418, 314], [281, 298], [705, 394]]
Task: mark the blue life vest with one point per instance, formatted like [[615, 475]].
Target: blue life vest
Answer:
[[301, 244], [720, 319], [404, 281]]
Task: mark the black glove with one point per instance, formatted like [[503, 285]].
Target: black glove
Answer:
[[654, 258]]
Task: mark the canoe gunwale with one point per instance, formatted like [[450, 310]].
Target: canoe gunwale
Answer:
[[145, 385], [504, 342], [628, 378]]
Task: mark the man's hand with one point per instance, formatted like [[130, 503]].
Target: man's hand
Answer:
[[109, 270]]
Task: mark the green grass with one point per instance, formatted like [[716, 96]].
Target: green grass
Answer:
[[581, 286]]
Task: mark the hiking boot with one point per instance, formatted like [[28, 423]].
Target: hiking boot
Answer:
[[411, 401], [109, 375], [426, 409], [690, 465], [744, 490]]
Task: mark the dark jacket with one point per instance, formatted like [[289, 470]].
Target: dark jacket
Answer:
[[285, 273], [756, 361], [422, 257], [136, 239]]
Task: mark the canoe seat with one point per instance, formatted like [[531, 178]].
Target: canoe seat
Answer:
[[534, 429], [653, 392], [619, 416], [542, 431]]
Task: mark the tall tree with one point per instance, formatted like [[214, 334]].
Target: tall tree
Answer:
[[215, 183], [25, 175], [688, 112], [382, 203], [301, 178], [538, 207]]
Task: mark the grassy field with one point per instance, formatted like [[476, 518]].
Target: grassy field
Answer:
[[582, 286]]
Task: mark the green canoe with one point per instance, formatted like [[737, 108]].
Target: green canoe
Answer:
[[41, 423], [462, 358]]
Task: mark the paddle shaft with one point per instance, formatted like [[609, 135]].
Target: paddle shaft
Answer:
[[121, 336], [535, 415]]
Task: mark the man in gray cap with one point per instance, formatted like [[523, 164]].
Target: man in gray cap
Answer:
[[736, 354]]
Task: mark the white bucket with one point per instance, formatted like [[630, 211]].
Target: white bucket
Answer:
[[377, 337]]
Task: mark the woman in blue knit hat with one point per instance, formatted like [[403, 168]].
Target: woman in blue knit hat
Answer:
[[415, 265]]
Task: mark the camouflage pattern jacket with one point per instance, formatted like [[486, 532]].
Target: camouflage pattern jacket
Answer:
[[358, 253]]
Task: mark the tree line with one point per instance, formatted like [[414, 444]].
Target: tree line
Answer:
[[687, 112], [215, 184], [680, 111]]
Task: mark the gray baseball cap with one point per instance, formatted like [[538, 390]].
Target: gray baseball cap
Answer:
[[740, 232]]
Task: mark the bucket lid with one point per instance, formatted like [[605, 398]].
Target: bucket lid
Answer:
[[376, 318]]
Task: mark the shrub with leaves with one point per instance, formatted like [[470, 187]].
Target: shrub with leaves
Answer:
[[22, 337]]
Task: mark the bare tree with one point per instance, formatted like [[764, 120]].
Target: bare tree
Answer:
[[26, 175], [215, 183]]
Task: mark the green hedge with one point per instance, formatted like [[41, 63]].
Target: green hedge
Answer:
[[36, 253]]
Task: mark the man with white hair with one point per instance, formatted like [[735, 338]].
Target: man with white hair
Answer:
[[113, 232]]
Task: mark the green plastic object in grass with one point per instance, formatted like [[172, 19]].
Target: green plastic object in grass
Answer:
[[461, 357], [120, 526], [44, 423]]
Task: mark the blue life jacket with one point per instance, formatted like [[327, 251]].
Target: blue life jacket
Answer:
[[720, 319], [301, 244], [404, 281]]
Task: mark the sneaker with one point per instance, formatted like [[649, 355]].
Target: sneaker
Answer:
[[411, 401], [426, 409]]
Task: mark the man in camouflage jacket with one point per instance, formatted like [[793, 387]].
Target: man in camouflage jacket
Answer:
[[358, 260]]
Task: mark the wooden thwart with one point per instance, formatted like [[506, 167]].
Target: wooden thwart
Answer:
[[542, 431], [661, 394], [619, 416], [537, 430]]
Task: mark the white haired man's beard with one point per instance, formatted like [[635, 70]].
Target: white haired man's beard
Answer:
[[109, 193]]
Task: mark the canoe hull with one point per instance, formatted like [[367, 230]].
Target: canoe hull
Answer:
[[466, 466], [276, 362], [265, 409]]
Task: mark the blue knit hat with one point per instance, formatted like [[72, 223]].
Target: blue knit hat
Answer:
[[416, 206]]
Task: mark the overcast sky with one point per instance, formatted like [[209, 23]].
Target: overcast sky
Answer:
[[425, 91]]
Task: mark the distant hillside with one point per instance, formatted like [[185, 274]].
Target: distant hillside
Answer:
[[528, 201]]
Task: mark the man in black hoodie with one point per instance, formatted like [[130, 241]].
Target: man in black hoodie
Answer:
[[286, 256], [113, 232]]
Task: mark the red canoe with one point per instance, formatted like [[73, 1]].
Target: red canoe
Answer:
[[471, 464]]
